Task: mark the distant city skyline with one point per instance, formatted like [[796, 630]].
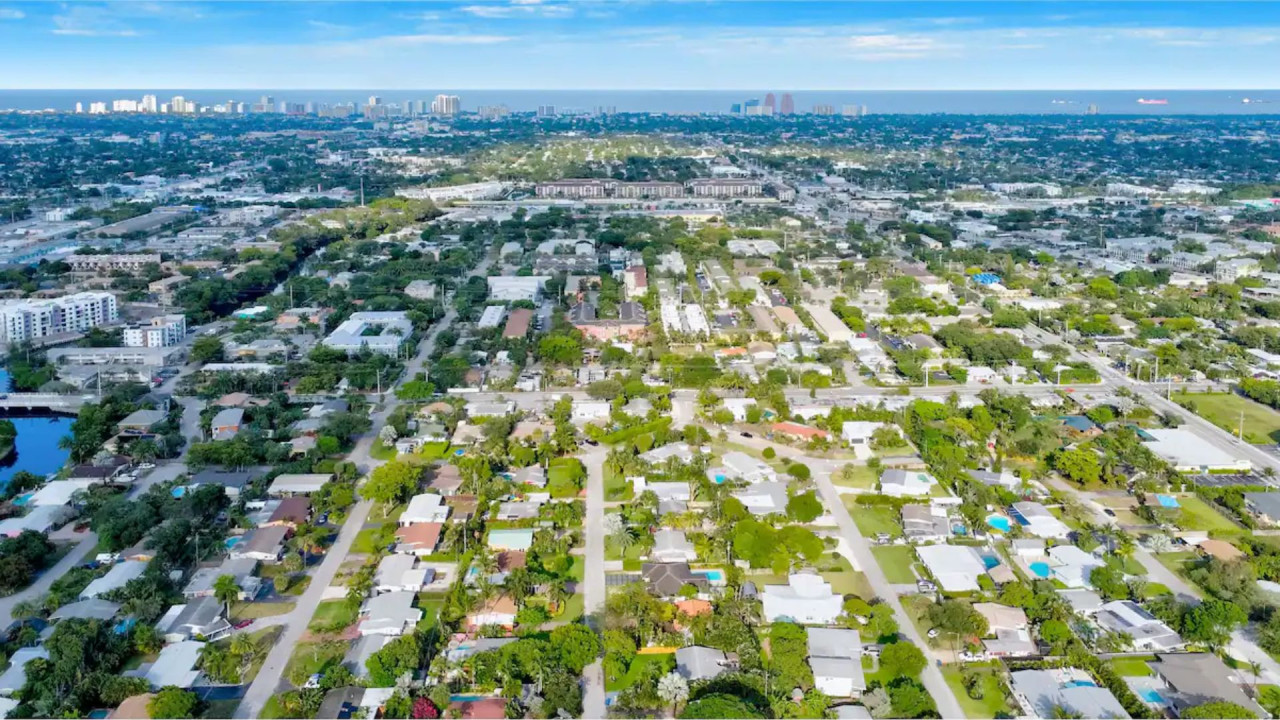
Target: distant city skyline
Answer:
[[603, 45]]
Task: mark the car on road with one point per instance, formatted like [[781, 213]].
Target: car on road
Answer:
[[243, 624], [933, 632], [147, 466], [747, 435], [1109, 512]]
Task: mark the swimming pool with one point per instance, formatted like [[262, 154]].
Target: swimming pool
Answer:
[[1150, 695], [179, 491], [1168, 501], [468, 698], [712, 575], [990, 561], [23, 499], [1079, 683], [459, 452], [719, 480], [1039, 569], [999, 522], [233, 541]]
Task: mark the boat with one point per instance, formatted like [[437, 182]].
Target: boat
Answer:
[[1152, 101]]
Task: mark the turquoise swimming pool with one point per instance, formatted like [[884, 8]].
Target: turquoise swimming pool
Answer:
[[712, 575], [233, 541], [999, 522], [990, 561], [23, 499], [1040, 569], [1150, 695]]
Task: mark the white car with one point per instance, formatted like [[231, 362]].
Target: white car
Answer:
[[147, 466]]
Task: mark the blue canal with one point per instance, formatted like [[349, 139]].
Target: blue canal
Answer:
[[37, 448]]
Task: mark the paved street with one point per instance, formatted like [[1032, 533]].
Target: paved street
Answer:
[[593, 701], [270, 677], [866, 562]]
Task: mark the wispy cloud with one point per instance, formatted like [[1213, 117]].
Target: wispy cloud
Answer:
[[889, 46], [11, 14], [518, 9], [91, 21]]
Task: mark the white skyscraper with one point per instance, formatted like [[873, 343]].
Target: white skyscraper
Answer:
[[149, 104], [97, 108], [79, 108], [446, 105], [31, 319]]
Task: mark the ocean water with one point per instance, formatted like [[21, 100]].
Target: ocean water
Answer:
[[909, 102]]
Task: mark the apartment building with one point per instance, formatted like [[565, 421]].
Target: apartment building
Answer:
[[27, 320], [726, 187], [131, 262], [576, 189], [162, 331], [646, 190]]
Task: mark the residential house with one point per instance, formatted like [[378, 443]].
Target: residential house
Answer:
[[447, 480], [955, 567], [667, 579], [763, 498], [298, 483], [425, 508], [796, 431], [226, 424], [498, 611], [141, 422], [290, 512], [175, 666], [1036, 519], [199, 619], [240, 569], [1045, 693], [835, 656], [858, 434], [925, 523], [389, 614], [510, 539], [1010, 629], [117, 577], [805, 599], [1193, 679], [1072, 566], [400, 573], [696, 662], [897, 482], [264, 544], [418, 538], [1148, 632], [15, 677], [672, 546]]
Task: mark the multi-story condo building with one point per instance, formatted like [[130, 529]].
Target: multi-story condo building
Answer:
[[28, 320], [98, 263], [640, 190], [162, 331], [576, 188], [726, 187]]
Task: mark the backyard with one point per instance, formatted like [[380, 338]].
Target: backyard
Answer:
[[874, 519], [1261, 423], [1197, 515], [896, 562], [991, 702]]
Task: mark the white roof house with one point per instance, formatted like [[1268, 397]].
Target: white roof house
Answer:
[[40, 519], [426, 508], [16, 676], [696, 662], [400, 572], [857, 433], [509, 288], [1072, 565], [897, 482], [956, 567], [659, 455], [672, 546], [1037, 520], [589, 410], [763, 498], [58, 492], [805, 599], [1040, 692], [739, 407], [381, 332], [741, 466], [835, 655], [389, 614], [176, 665], [117, 577], [298, 483], [1010, 628], [1148, 632]]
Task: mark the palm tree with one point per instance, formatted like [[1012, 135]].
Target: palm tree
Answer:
[[557, 593], [226, 590], [25, 609]]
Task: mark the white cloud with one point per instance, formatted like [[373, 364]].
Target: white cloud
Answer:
[[890, 46], [11, 14], [91, 21], [518, 9]]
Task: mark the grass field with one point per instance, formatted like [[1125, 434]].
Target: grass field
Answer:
[[859, 476], [434, 451], [1177, 561], [873, 519], [311, 658], [1197, 515], [332, 616], [1135, 666], [253, 611], [896, 562], [637, 667], [382, 451], [1261, 423], [992, 704]]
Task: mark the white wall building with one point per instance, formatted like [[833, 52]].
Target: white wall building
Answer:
[[163, 331], [392, 328], [27, 320]]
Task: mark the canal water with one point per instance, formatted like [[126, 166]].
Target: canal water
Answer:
[[37, 448]]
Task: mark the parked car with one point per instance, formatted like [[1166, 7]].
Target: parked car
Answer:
[[243, 624]]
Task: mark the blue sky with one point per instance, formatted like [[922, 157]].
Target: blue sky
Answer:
[[639, 44]]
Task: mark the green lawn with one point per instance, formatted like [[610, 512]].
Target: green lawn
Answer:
[[368, 540], [382, 452], [255, 610], [1135, 666], [992, 704], [565, 477], [616, 487], [429, 604], [311, 658], [1155, 590], [896, 562], [332, 616], [872, 519], [638, 664], [1261, 423], [574, 606], [1177, 561], [434, 451], [1197, 515], [858, 476]]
